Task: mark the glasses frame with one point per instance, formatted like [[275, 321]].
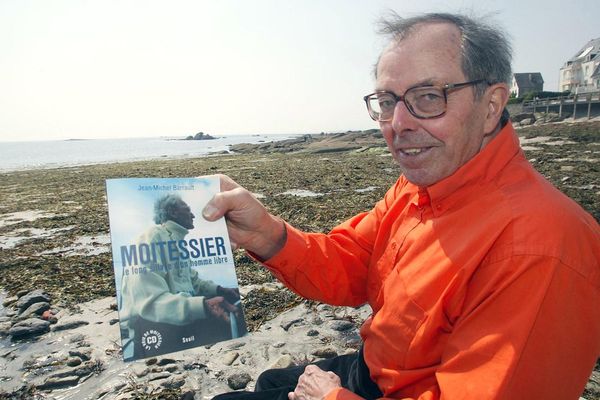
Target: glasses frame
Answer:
[[445, 89]]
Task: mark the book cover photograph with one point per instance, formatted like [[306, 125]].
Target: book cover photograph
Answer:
[[174, 271]]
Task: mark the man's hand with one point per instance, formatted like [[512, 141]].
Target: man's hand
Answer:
[[232, 295], [314, 384], [249, 223], [218, 307]]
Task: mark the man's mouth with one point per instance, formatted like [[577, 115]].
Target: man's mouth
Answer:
[[413, 151]]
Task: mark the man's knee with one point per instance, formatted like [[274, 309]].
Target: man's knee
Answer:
[[278, 378]]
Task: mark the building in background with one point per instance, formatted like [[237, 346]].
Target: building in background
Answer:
[[526, 82], [581, 74]]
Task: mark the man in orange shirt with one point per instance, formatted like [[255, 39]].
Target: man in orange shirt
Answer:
[[484, 279]]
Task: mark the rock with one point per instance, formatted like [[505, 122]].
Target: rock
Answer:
[[77, 338], [200, 136], [29, 327], [341, 325], [151, 361], [85, 354], [34, 309], [58, 382], [171, 368], [174, 383], [193, 365], [278, 345], [526, 121], [287, 324], [523, 116], [230, 357], [285, 361], [158, 375], [73, 361], [166, 361], [5, 327], [325, 352], [9, 301], [238, 380], [35, 296], [68, 325], [190, 395], [140, 370], [312, 332], [236, 345]]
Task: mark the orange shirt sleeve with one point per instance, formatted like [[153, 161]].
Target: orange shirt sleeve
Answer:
[[332, 268]]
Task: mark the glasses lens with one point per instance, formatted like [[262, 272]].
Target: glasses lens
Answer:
[[381, 106], [426, 102]]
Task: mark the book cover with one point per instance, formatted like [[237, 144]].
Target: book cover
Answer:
[[174, 272]]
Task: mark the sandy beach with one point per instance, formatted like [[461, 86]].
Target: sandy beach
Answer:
[[54, 236]]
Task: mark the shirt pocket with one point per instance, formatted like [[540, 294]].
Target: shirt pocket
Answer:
[[397, 322]]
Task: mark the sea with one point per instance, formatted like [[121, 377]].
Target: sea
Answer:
[[15, 156]]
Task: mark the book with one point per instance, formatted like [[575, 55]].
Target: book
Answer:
[[174, 271]]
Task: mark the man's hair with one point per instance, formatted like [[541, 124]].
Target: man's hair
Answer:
[[164, 207], [485, 49]]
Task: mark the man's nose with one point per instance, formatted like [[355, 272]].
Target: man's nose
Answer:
[[402, 119]]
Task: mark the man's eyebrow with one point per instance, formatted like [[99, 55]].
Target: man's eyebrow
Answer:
[[424, 82]]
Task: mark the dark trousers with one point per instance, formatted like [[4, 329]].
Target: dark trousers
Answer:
[[275, 384]]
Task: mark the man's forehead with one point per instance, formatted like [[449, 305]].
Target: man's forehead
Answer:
[[425, 44]]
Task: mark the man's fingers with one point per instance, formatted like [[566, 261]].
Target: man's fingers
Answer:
[[224, 202]]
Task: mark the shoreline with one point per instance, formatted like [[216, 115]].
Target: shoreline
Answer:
[[22, 156]]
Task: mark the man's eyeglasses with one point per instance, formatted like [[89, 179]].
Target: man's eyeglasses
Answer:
[[421, 101]]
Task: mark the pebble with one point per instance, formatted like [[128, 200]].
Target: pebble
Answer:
[[173, 383], [238, 380], [285, 361], [341, 325], [166, 361], [229, 358], [84, 354], [73, 361], [68, 325], [286, 325]]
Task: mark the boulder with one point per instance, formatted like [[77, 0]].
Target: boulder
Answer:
[[35, 296], [34, 309], [29, 327]]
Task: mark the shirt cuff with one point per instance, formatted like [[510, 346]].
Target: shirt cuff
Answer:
[[284, 263]]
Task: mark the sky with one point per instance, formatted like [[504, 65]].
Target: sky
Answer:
[[145, 68]]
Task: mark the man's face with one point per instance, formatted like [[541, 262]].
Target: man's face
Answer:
[[182, 214], [429, 150]]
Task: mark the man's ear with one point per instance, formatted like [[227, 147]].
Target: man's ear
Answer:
[[496, 97]]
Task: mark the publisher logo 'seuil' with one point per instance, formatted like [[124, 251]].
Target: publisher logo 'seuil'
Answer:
[[151, 339]]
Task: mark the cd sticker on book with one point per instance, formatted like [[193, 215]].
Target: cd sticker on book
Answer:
[[151, 339]]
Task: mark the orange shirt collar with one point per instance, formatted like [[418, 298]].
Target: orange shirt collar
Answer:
[[480, 169]]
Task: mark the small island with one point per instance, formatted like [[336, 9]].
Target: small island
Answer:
[[200, 136]]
